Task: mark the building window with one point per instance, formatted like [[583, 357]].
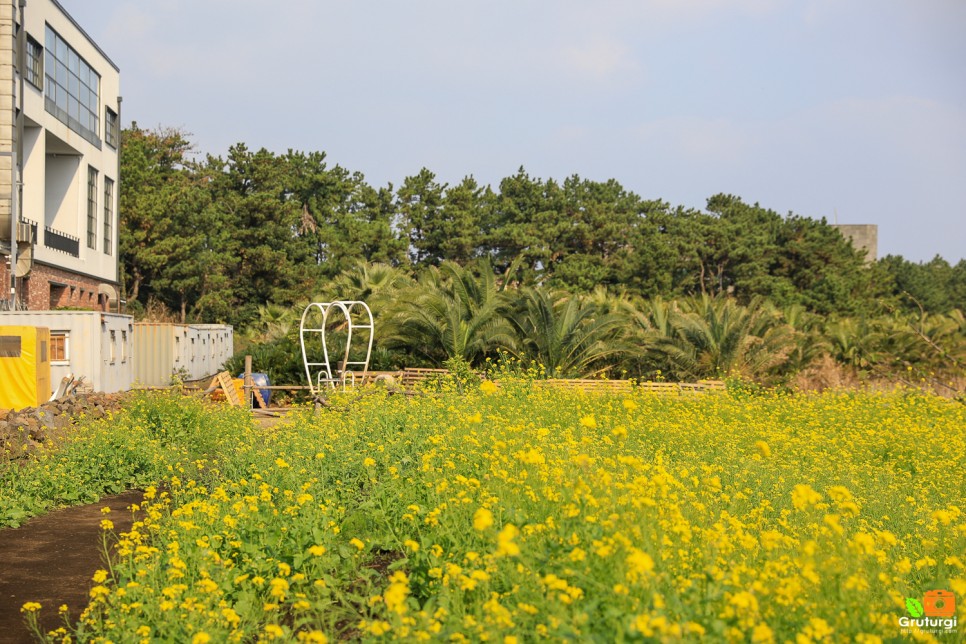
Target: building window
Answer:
[[91, 207], [123, 346], [108, 215], [71, 88], [10, 346], [110, 127], [113, 346], [59, 346], [34, 67]]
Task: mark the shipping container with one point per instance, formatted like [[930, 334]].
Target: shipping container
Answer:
[[90, 344], [164, 351], [24, 366]]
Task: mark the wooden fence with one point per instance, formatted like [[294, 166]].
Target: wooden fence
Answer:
[[409, 378]]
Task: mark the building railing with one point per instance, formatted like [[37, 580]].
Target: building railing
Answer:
[[61, 241]]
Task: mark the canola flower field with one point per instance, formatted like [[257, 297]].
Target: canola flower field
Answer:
[[517, 514]]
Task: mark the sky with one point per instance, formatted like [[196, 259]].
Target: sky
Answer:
[[852, 110]]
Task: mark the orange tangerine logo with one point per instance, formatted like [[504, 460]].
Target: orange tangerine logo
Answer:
[[939, 603]]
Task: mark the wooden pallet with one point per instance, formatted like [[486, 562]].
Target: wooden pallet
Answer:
[[258, 398], [223, 381], [413, 376]]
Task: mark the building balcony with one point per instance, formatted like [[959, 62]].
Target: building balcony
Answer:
[[61, 241]]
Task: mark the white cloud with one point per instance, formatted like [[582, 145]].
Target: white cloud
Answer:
[[699, 140], [601, 58]]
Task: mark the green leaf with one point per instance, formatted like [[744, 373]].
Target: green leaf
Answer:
[[914, 607]]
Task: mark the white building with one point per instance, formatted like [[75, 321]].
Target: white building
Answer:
[[63, 225]]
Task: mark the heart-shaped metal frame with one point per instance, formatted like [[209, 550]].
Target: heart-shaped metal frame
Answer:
[[323, 375]]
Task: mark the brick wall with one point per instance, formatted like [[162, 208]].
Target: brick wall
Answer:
[[48, 288]]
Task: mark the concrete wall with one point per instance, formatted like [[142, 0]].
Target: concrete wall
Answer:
[[60, 197], [863, 237]]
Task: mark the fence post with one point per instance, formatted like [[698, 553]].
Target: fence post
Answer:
[[248, 381]]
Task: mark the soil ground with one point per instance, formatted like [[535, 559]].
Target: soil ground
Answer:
[[50, 559]]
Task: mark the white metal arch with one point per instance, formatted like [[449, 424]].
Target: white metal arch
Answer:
[[320, 373]]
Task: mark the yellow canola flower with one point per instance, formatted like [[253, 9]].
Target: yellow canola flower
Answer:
[[588, 421], [376, 627], [803, 497], [638, 563], [482, 519], [505, 546], [30, 607], [762, 634], [763, 449], [488, 387], [396, 594], [672, 503], [231, 616]]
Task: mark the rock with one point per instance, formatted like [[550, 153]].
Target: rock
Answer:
[[23, 430]]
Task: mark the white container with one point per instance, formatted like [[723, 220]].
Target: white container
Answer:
[[98, 346], [189, 352]]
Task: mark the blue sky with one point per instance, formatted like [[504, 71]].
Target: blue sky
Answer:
[[853, 110]]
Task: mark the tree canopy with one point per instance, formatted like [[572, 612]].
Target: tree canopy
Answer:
[[213, 239]]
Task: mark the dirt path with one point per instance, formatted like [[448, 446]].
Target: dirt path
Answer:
[[50, 559]]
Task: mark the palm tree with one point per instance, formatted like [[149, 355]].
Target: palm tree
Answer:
[[451, 312], [716, 336], [810, 343], [274, 321], [565, 334]]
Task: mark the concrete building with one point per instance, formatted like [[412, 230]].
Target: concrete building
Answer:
[[59, 162], [863, 237]]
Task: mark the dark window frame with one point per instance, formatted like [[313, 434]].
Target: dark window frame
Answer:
[[110, 127], [71, 88], [34, 63], [108, 216], [92, 207]]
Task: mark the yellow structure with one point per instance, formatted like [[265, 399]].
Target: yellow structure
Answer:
[[24, 366]]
